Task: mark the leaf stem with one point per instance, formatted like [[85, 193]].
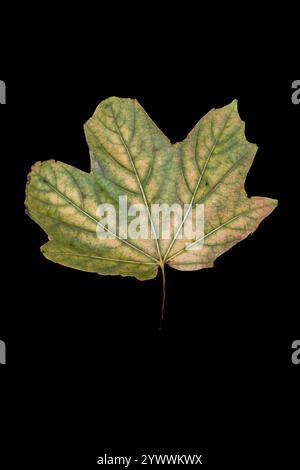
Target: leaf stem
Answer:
[[162, 266]]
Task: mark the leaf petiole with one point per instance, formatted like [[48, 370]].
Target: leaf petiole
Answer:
[[162, 267]]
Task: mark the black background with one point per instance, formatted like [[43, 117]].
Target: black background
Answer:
[[87, 370]]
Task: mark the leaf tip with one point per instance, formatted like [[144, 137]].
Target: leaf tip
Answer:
[[234, 103]]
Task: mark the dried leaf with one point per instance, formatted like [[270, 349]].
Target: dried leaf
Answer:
[[131, 157]]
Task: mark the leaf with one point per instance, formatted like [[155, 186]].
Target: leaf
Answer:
[[131, 157]]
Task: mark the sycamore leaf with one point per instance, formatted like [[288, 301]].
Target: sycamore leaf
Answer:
[[133, 161]]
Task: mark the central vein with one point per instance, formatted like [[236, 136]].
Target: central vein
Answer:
[[140, 185]]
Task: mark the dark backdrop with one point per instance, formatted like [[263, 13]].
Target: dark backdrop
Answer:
[[87, 370]]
